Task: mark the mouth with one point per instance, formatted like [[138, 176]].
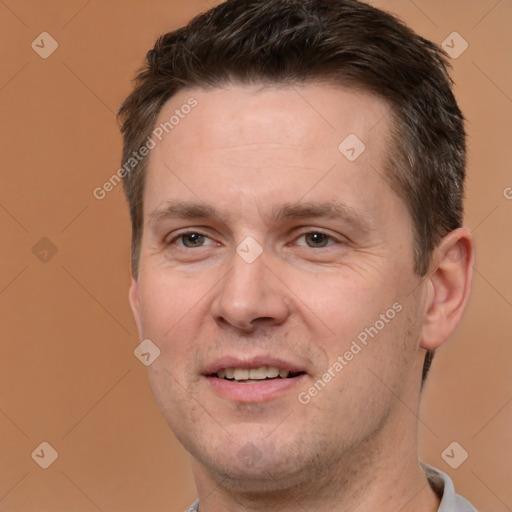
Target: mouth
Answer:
[[258, 379], [255, 375]]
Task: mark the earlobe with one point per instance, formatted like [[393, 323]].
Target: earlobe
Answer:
[[133, 297], [449, 283]]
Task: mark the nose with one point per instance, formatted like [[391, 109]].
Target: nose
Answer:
[[250, 296]]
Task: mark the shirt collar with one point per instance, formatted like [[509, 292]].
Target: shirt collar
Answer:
[[442, 485]]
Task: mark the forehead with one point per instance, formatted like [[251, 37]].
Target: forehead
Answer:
[[312, 113], [244, 138]]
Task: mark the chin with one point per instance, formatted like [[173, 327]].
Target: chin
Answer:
[[266, 476], [256, 465]]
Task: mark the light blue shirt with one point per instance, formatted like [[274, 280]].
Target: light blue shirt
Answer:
[[443, 486], [440, 482]]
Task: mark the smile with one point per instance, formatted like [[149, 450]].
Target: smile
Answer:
[[255, 374]]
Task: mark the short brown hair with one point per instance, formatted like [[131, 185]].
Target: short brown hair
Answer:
[[345, 42]]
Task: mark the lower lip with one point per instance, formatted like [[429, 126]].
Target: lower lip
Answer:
[[253, 391]]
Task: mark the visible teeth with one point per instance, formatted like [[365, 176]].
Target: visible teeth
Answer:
[[241, 374], [258, 373], [272, 372], [261, 373]]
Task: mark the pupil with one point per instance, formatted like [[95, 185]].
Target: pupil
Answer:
[[193, 239], [317, 239]]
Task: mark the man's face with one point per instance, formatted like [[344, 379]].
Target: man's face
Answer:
[[267, 246]]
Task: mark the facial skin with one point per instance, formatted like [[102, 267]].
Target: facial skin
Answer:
[[247, 153]]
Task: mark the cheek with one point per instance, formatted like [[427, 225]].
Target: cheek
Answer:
[[372, 327], [388, 345], [344, 301], [167, 301], [170, 311], [368, 369], [173, 311]]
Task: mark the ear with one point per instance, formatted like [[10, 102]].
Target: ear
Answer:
[[448, 286], [133, 296]]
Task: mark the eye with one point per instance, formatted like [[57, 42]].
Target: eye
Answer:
[[191, 240], [316, 239]]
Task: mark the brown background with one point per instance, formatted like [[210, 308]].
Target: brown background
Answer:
[[68, 375]]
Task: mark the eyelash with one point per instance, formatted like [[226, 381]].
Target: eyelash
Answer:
[[183, 235], [320, 232]]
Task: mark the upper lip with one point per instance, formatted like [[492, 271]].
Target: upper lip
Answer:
[[251, 362]]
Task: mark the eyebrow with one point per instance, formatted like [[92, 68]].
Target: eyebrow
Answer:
[[333, 210], [182, 210]]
